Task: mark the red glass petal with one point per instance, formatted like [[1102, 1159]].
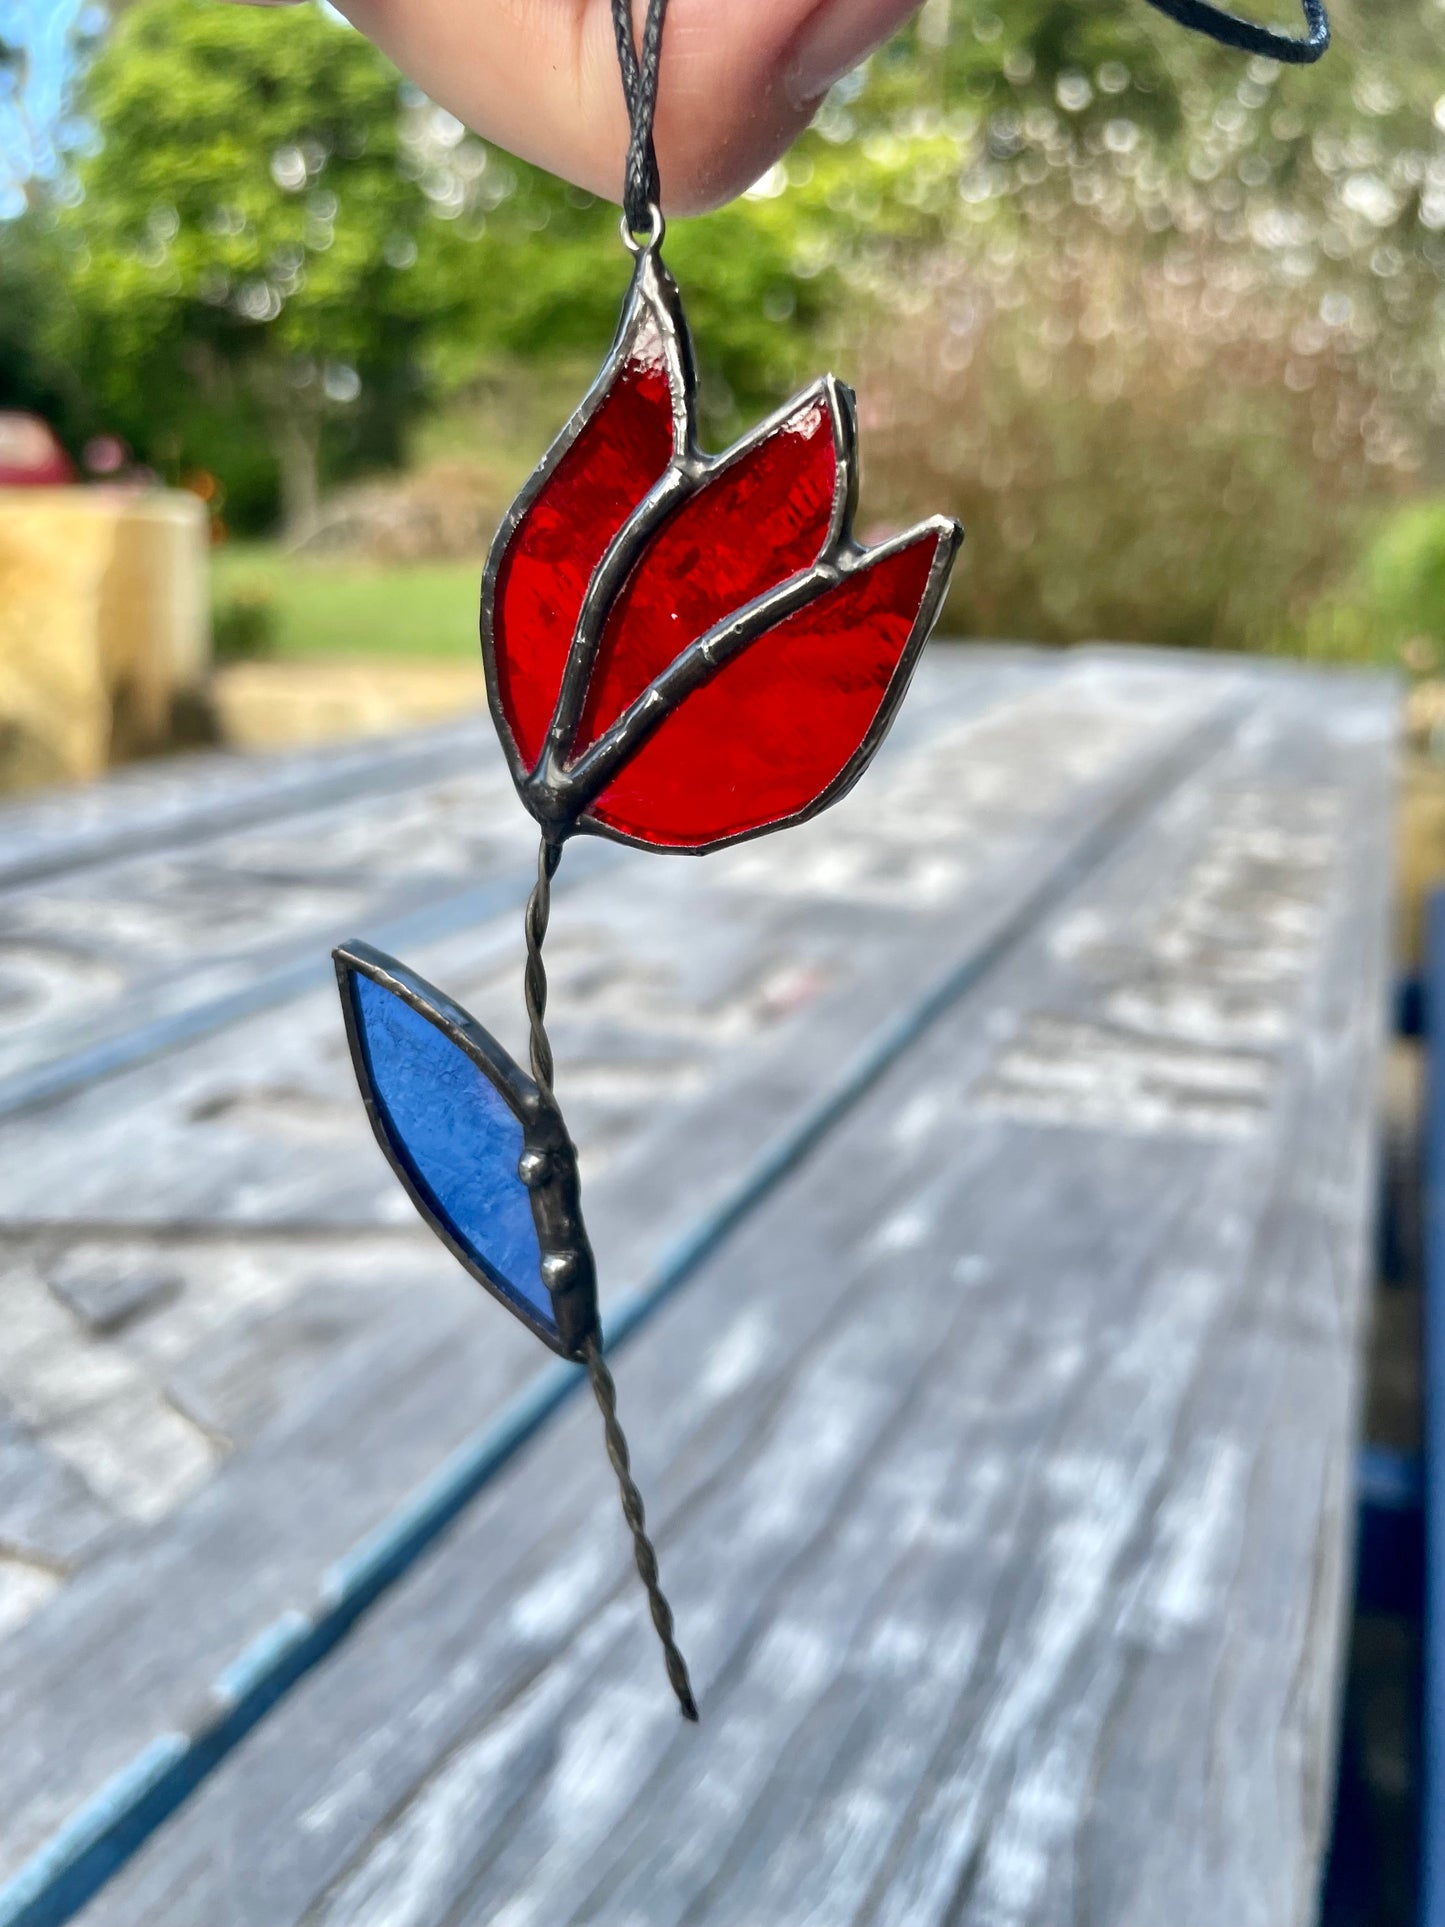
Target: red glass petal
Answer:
[[543, 576], [779, 723], [762, 518]]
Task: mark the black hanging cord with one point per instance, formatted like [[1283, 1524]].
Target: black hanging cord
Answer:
[[1227, 28], [640, 190]]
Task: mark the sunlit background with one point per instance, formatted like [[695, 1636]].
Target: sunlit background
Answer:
[[1161, 324]]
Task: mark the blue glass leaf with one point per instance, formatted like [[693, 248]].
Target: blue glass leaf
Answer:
[[455, 1140]]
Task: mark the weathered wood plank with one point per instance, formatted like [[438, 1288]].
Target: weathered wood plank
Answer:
[[758, 992], [679, 964], [182, 799], [49, 1517], [999, 1466], [97, 953], [104, 964]]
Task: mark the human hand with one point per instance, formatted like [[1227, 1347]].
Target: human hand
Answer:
[[740, 79]]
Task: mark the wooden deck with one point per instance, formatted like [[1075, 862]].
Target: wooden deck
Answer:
[[986, 1211]]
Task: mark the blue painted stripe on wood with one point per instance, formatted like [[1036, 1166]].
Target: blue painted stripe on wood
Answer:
[[267, 1652], [62, 1077], [381, 770], [1390, 1552], [1432, 1723], [1410, 1007], [108, 1835], [364, 1573], [1393, 1481], [38, 1895]]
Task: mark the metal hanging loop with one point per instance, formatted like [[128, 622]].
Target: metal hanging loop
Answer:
[[651, 241]]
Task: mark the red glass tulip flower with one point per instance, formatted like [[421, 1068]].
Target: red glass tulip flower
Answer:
[[683, 650]]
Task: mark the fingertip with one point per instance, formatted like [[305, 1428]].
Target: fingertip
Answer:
[[741, 79]]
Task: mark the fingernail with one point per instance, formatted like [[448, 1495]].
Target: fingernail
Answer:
[[832, 41]]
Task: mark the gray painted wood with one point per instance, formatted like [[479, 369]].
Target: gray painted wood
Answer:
[[109, 1289], [999, 1464], [662, 971], [191, 920], [182, 799], [49, 1517], [93, 952], [242, 1164]]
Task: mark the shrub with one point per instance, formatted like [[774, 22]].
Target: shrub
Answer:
[[244, 625], [1140, 451]]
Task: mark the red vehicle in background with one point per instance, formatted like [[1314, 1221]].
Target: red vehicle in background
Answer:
[[30, 454]]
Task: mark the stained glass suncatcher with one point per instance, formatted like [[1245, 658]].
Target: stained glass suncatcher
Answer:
[[681, 650]]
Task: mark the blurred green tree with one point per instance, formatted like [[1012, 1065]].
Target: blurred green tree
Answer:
[[41, 55], [32, 377], [244, 236], [531, 270], [272, 228]]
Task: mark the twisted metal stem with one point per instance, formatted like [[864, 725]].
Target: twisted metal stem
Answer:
[[538, 913], [605, 1392], [534, 980]]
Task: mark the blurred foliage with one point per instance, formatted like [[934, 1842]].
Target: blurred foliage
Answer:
[[241, 237], [1164, 325], [1390, 606], [1403, 584], [32, 376], [1129, 448], [539, 273], [245, 624], [273, 232]]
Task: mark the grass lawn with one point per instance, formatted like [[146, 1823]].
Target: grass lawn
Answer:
[[343, 607]]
